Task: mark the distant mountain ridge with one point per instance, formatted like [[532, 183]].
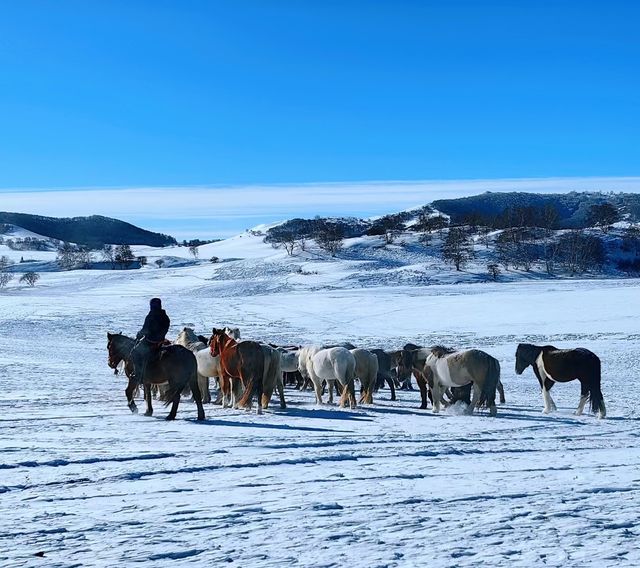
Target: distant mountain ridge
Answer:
[[93, 231], [572, 208]]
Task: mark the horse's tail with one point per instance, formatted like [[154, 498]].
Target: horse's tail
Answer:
[[488, 392], [595, 394], [254, 385], [171, 393]]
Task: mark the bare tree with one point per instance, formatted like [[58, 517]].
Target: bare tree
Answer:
[[124, 256], [457, 248], [389, 226], [494, 270], [30, 278], [579, 252], [66, 257], [301, 242], [330, 237], [193, 249], [5, 276], [603, 215], [108, 254]]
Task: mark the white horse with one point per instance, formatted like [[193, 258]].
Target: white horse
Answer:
[[367, 372], [452, 368], [331, 365], [208, 365], [289, 359]]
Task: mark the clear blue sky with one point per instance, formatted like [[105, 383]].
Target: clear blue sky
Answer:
[[132, 92]]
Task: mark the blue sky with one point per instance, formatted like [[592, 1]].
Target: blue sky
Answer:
[[129, 93], [135, 93]]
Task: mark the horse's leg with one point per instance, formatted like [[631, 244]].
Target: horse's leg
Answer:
[[392, 387], [174, 407], [225, 389], [203, 384], [344, 397], [584, 396], [197, 395], [280, 386], [475, 397], [129, 394], [235, 392], [436, 390], [549, 405], [330, 386], [500, 388], [147, 398], [422, 383], [317, 385], [350, 389]]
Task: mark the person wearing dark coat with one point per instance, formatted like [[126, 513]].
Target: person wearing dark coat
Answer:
[[150, 337], [156, 324]]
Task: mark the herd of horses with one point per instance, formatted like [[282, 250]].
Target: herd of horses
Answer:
[[246, 370]]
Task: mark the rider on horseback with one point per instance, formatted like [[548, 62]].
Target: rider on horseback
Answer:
[[150, 338]]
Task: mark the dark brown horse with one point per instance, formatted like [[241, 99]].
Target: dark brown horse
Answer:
[[386, 365], [174, 365], [552, 365], [243, 362]]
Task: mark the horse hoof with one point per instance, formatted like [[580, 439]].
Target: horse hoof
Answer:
[[170, 417], [133, 409], [200, 417], [148, 413]]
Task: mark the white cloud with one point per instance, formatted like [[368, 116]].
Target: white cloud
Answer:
[[209, 211]]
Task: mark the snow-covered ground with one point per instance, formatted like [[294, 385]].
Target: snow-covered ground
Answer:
[[87, 483]]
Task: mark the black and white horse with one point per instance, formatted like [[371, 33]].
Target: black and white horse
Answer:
[[552, 365]]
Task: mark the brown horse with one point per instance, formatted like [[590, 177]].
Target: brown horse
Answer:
[[174, 365], [552, 365], [239, 362]]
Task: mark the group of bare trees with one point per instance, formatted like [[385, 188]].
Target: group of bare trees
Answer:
[[29, 278], [528, 238], [71, 256], [328, 235]]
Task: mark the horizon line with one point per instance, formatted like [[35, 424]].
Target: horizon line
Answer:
[[302, 184]]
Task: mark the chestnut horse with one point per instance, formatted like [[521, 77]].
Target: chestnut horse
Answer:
[[175, 365], [552, 365], [242, 364]]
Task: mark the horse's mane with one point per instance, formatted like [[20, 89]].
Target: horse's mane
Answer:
[[440, 351]]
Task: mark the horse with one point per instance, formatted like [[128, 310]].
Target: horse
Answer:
[[174, 365], [233, 332], [367, 372], [411, 359], [452, 368], [331, 365], [386, 362], [272, 377], [241, 364], [208, 365], [552, 365]]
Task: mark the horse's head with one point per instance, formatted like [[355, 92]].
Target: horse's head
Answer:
[[403, 361], [218, 341], [115, 357], [525, 356], [233, 332]]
